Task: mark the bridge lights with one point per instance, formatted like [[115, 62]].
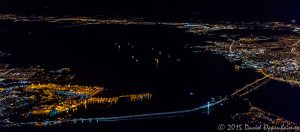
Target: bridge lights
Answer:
[[208, 108]]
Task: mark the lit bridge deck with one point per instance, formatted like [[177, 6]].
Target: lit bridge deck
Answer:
[[123, 118]]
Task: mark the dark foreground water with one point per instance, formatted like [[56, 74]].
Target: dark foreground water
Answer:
[[122, 59], [280, 99]]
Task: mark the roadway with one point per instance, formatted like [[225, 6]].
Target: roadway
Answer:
[[122, 118]]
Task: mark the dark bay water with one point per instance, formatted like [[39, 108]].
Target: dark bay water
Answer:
[[182, 79], [279, 98]]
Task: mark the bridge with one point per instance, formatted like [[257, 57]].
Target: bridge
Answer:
[[249, 88], [123, 118]]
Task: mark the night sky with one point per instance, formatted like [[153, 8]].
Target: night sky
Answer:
[[219, 9]]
